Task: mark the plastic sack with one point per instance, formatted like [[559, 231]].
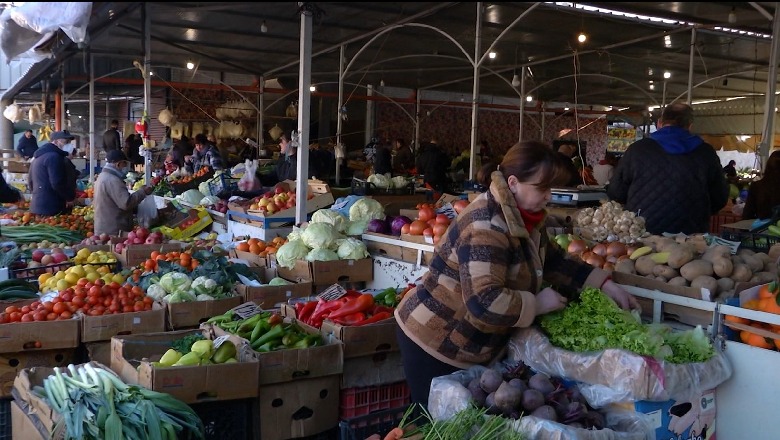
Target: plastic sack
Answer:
[[13, 113], [33, 21], [147, 212], [167, 118], [249, 181], [449, 395], [617, 376]]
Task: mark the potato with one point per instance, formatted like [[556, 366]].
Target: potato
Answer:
[[762, 256], [755, 264], [736, 259], [695, 269], [625, 266], [662, 270], [741, 273], [770, 266], [664, 244], [659, 278], [764, 277], [722, 267], [679, 255], [697, 243], [644, 265], [706, 282], [774, 252], [743, 251], [715, 252], [725, 284], [678, 281]]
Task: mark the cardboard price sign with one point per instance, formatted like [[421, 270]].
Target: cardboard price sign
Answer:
[[335, 291], [218, 341], [447, 210], [247, 310]]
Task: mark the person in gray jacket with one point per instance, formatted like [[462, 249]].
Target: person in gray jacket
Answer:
[[113, 203]]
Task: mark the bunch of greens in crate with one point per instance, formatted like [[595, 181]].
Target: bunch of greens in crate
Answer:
[[471, 423]]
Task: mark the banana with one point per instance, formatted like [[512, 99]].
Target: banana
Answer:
[[660, 257], [640, 252]]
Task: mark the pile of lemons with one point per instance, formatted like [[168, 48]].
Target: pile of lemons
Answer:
[[84, 255], [70, 277]]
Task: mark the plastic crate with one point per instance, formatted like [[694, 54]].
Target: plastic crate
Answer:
[[221, 183], [226, 419], [361, 187], [722, 218], [5, 418], [360, 401], [362, 427], [755, 241], [331, 434]]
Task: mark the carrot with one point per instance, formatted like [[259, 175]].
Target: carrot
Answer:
[[395, 434]]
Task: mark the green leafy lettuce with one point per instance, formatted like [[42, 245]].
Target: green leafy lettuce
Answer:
[[595, 323]]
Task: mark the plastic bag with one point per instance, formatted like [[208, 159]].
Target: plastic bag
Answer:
[[147, 212], [449, 395], [614, 376], [249, 182], [13, 113]]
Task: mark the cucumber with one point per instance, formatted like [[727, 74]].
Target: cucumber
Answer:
[[6, 295], [16, 283]]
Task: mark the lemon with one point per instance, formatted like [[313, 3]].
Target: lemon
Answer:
[[43, 278], [83, 253], [72, 278], [62, 285], [92, 276], [108, 278], [60, 275], [89, 269], [78, 270]]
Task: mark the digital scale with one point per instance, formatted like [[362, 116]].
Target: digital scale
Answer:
[[578, 196]]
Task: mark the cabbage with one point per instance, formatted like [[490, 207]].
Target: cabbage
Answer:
[[290, 252], [321, 255], [179, 297], [156, 292], [191, 196], [209, 200], [366, 209], [380, 180], [174, 282], [356, 228], [352, 249], [319, 236], [295, 234], [276, 281], [204, 189], [400, 182], [204, 297], [330, 216]]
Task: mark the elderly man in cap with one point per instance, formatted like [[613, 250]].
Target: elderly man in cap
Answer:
[[52, 176], [114, 204]]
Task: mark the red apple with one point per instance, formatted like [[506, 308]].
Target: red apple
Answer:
[[142, 233], [119, 247], [268, 195], [37, 255], [59, 257], [279, 190], [131, 235]]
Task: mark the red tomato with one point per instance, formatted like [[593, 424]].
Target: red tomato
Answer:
[[66, 314], [78, 301], [66, 296], [442, 219], [95, 312], [52, 316], [138, 306], [15, 316], [11, 309], [59, 308], [94, 291], [128, 308], [48, 306], [39, 316], [425, 214], [25, 309]]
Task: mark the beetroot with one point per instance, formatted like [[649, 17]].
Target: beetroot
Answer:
[[531, 399], [545, 412], [542, 383], [490, 380]]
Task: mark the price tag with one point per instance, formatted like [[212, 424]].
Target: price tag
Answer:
[[218, 341], [447, 210], [333, 292], [717, 241], [247, 310], [341, 203]]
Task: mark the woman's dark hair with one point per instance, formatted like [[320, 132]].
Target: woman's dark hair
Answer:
[[772, 169], [526, 160], [401, 142]]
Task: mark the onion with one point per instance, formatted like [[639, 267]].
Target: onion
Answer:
[[608, 266], [616, 249], [600, 249], [595, 260], [577, 246]]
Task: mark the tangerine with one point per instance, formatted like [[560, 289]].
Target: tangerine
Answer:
[[243, 247]]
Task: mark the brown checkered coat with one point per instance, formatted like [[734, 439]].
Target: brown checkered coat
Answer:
[[482, 281]]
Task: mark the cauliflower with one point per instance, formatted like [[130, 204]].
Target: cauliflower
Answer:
[[174, 282], [203, 285], [156, 292]]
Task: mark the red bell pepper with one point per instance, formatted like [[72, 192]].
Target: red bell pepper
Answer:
[[378, 308], [306, 310], [381, 316], [361, 303], [323, 309], [350, 319]]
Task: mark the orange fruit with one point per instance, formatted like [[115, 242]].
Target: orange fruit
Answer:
[[243, 247], [255, 248], [252, 241], [736, 319], [758, 341], [769, 305]]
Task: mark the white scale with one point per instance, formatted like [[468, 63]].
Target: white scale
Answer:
[[578, 196]]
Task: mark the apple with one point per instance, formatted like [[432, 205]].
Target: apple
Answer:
[[149, 240], [268, 195], [279, 190], [137, 240], [104, 237], [47, 260], [58, 257], [37, 255], [157, 235], [131, 235], [142, 233], [119, 247], [280, 205]]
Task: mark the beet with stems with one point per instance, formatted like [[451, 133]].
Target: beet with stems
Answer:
[[490, 381]]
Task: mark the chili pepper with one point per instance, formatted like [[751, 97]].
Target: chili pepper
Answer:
[[359, 304], [268, 346], [325, 307], [352, 293], [260, 327], [306, 311], [350, 319], [381, 316], [275, 319], [248, 324]]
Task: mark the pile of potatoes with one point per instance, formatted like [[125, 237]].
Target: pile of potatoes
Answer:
[[690, 262]]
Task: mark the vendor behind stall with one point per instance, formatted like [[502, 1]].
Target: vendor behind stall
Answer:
[[205, 155], [114, 205]]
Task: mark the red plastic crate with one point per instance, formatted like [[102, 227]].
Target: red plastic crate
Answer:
[[360, 401]]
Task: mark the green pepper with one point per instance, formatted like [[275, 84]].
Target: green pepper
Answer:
[[290, 338], [260, 327], [268, 346], [308, 341], [275, 332]]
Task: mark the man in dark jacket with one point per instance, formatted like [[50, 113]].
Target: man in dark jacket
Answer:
[[287, 164], [673, 178], [432, 163], [27, 144], [52, 176], [111, 138]]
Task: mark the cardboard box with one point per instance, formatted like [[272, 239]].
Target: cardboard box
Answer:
[[25, 336], [294, 364], [398, 251], [136, 254], [252, 259], [191, 314], [12, 363], [102, 328], [298, 409], [318, 196], [693, 419], [328, 272], [185, 222], [363, 340], [376, 369], [27, 426], [131, 358], [99, 351], [269, 296], [686, 315]]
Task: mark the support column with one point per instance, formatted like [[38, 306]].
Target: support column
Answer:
[[304, 116], [768, 135], [475, 92]]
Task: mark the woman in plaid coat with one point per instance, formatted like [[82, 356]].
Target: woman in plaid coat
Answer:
[[487, 273]]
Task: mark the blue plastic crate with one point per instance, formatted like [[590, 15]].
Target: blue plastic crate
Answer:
[[222, 183]]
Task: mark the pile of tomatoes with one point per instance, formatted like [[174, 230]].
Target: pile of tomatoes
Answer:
[[89, 298]]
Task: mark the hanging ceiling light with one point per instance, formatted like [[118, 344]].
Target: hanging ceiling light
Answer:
[[667, 74], [190, 65], [492, 55], [312, 88], [582, 37], [733, 15], [516, 80], [529, 98], [263, 27]]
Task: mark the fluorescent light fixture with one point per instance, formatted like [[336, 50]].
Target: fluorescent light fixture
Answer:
[[668, 41], [744, 137], [151, 73], [529, 98], [667, 74], [650, 71], [566, 109], [190, 65], [492, 55]]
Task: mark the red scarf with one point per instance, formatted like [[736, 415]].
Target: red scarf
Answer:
[[531, 219]]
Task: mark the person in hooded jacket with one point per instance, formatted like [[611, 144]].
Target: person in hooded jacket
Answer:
[[673, 178], [52, 177], [114, 205]]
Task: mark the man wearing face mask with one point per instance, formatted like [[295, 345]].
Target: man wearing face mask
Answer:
[[114, 204], [52, 177]]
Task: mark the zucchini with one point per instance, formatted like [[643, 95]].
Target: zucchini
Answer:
[[17, 283], [6, 295]]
